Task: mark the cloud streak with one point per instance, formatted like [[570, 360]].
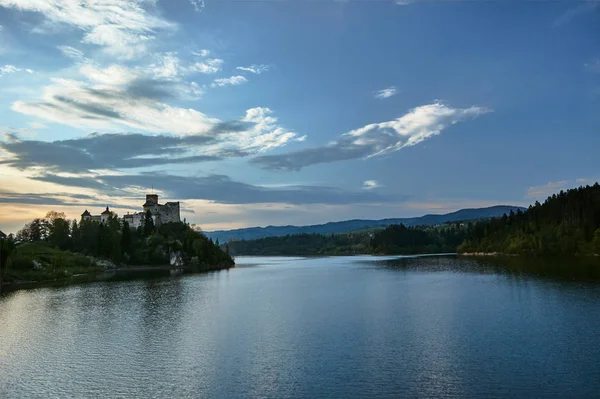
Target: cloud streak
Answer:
[[8, 69], [222, 189], [117, 98], [370, 184], [256, 69], [419, 124], [231, 81], [87, 105], [122, 28], [256, 132], [386, 93], [104, 151]]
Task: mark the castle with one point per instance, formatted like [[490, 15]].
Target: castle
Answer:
[[169, 212]]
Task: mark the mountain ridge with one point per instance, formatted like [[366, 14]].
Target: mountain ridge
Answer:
[[345, 226]]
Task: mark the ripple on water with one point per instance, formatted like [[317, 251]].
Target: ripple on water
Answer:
[[307, 327]]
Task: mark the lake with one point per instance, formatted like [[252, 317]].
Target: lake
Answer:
[[339, 327]]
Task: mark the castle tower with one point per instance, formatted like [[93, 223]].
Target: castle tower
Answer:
[[152, 197], [86, 215], [105, 215]]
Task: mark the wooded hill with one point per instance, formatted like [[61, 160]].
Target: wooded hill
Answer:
[[566, 224]]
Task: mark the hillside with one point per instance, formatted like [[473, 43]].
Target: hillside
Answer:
[[253, 233], [567, 223]]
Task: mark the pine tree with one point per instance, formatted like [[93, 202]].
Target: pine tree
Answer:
[[148, 224]]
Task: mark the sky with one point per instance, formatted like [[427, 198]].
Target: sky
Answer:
[[255, 113]]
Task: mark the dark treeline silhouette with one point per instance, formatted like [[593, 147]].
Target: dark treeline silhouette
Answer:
[[567, 223], [402, 240], [395, 239], [54, 240], [303, 244]]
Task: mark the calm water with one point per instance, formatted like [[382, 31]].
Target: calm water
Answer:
[[307, 328]]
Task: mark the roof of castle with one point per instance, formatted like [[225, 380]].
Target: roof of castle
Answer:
[[172, 203], [2, 235], [86, 213], [149, 203], [106, 212]]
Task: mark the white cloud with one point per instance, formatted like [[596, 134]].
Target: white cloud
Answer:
[[113, 98], [197, 4], [376, 139], [257, 69], [209, 66], [8, 69], [370, 184], [266, 134], [231, 81], [386, 93], [168, 66], [201, 53], [168, 70], [416, 126], [72, 52], [85, 105], [122, 27], [113, 75]]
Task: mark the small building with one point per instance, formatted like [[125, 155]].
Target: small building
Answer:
[[2, 235], [102, 218]]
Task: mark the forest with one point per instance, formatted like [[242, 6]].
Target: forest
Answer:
[[566, 224], [395, 239], [54, 246]]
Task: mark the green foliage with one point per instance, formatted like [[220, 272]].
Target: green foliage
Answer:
[[596, 241], [148, 227], [6, 248], [303, 244], [402, 240], [19, 262], [566, 224], [60, 246]]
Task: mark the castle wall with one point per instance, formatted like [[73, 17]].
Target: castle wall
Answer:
[[135, 220], [170, 212]]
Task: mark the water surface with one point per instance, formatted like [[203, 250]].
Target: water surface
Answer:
[[305, 328]]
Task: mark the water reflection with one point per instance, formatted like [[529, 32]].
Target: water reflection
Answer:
[[583, 269], [441, 327]]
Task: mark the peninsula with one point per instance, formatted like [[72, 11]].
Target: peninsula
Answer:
[[55, 250]]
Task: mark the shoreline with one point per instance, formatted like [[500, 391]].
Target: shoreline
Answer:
[[485, 254], [110, 275]]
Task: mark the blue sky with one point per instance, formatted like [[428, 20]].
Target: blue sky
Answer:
[[294, 112]]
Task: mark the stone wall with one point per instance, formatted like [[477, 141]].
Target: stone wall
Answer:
[[169, 212]]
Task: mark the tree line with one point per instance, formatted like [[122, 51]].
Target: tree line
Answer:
[[115, 241], [566, 224], [395, 239]]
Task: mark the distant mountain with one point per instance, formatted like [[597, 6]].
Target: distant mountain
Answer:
[[253, 233]]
